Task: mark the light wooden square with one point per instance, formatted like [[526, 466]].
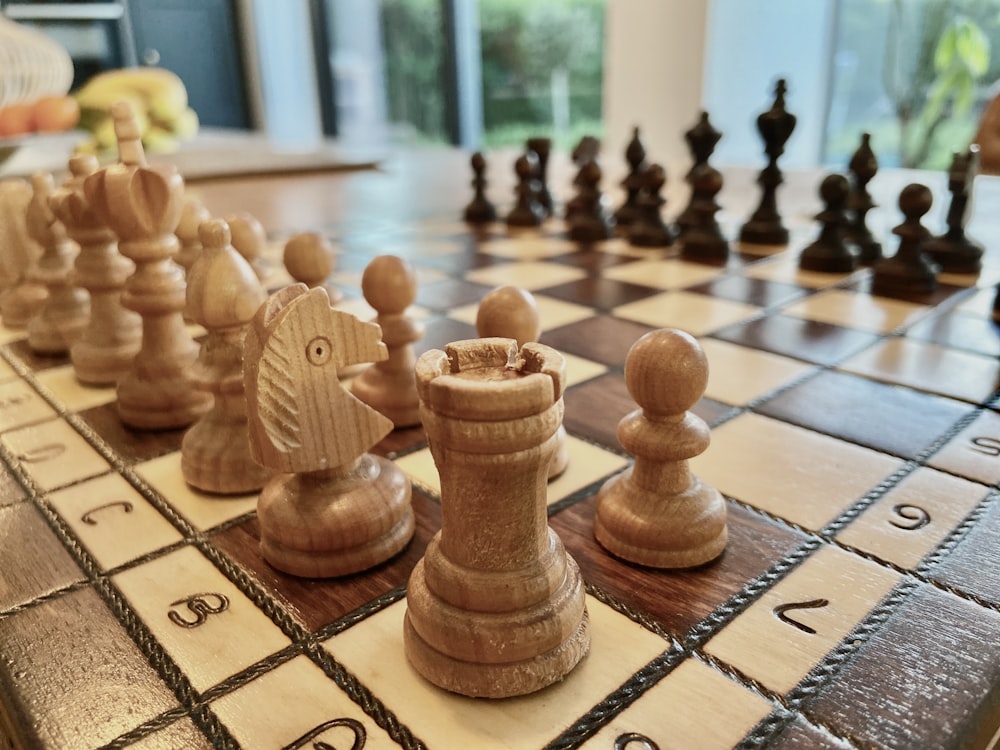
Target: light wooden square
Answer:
[[54, 454], [683, 711], [528, 247], [529, 275], [21, 405], [738, 375], [667, 274], [697, 314], [373, 650], [270, 711], [10, 335], [210, 647], [114, 522], [800, 475], [836, 590], [974, 452], [70, 392], [785, 269], [203, 510], [928, 367], [851, 309], [587, 464], [914, 517], [6, 371]]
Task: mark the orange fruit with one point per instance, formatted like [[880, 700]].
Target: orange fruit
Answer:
[[16, 119], [56, 113]]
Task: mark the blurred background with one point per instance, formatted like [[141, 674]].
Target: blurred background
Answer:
[[915, 73]]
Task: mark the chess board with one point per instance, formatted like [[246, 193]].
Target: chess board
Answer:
[[857, 605]]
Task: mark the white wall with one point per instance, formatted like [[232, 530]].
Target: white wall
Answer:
[[666, 60]]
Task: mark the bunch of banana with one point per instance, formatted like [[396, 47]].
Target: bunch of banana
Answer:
[[158, 98]]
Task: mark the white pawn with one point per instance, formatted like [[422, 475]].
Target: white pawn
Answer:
[[511, 312], [656, 512], [309, 259], [390, 386]]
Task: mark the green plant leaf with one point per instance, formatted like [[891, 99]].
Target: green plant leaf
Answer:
[[944, 53], [973, 48]]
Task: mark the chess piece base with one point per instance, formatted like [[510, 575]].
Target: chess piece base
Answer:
[[338, 521], [166, 401], [104, 364], [682, 531], [21, 303], [215, 457], [820, 257], [764, 233], [955, 255], [697, 245], [894, 278], [501, 653]]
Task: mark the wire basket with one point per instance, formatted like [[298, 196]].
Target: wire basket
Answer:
[[31, 65]]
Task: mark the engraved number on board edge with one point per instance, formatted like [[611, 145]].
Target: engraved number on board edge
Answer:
[[912, 517], [360, 736], [200, 606], [40, 453], [988, 446], [625, 741], [781, 609], [88, 517], [14, 399]]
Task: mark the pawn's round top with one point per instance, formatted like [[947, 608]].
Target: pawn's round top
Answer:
[[249, 237], [526, 165], [389, 284], [222, 289], [478, 162], [655, 176], [590, 173], [508, 312], [308, 258], [81, 165], [193, 214], [833, 190], [666, 372], [915, 200]]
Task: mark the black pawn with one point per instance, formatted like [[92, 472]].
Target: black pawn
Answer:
[[590, 222], [648, 228], [701, 141], [585, 151], [863, 166], [953, 251], [635, 155], [542, 148], [831, 253], [527, 211], [909, 273], [775, 127], [479, 210], [703, 238]]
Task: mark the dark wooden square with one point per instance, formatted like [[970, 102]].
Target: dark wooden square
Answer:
[[937, 660], [808, 340], [132, 446], [36, 362], [442, 331], [677, 600], [449, 293], [72, 677], [960, 331], [750, 291], [602, 338], [973, 566], [889, 419], [319, 602], [598, 292], [33, 561]]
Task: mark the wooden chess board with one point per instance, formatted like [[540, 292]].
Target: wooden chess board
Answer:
[[856, 438]]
